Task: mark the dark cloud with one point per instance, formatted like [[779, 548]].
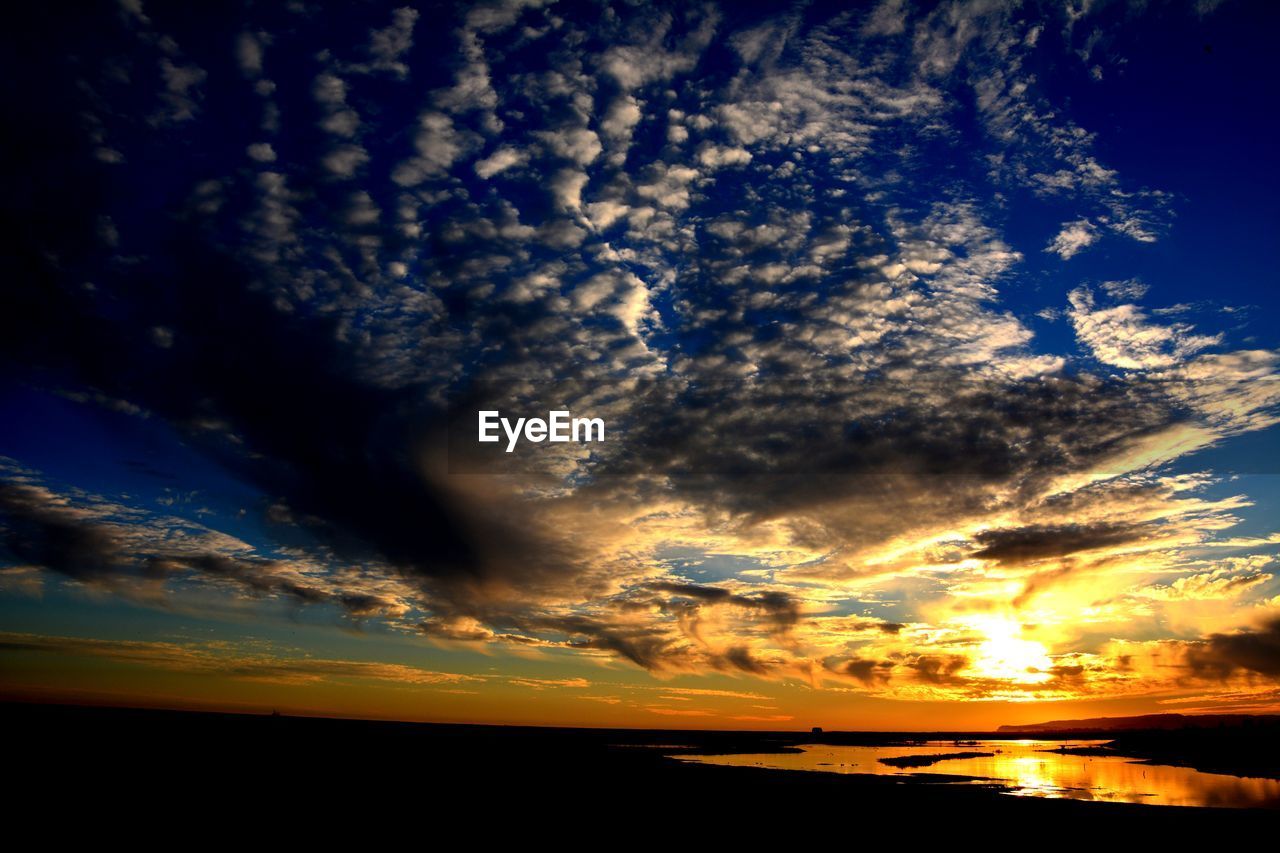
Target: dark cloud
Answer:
[[740, 657], [82, 541], [702, 593], [938, 669], [1015, 546], [867, 672], [1071, 672], [1253, 652], [645, 648], [34, 532], [779, 607]]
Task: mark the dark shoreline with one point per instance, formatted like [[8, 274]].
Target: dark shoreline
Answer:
[[167, 754], [929, 760]]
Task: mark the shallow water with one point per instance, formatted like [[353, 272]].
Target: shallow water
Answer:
[[1031, 770]]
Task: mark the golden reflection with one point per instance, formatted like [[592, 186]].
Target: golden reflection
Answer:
[[1032, 768], [1031, 776]]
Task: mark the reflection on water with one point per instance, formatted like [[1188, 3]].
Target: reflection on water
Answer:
[[1031, 770]]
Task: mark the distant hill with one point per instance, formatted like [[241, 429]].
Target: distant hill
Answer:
[[1148, 722]]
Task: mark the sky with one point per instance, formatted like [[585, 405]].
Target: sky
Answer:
[[930, 341]]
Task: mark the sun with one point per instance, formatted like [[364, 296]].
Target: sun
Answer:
[[1006, 656]]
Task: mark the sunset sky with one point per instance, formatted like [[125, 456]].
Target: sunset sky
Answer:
[[931, 341]]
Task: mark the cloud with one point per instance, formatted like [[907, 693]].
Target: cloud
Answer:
[[42, 530], [249, 52], [439, 145], [725, 235], [1073, 238], [623, 116], [389, 44], [181, 93], [567, 186], [197, 659], [648, 60], [1251, 651], [121, 549], [499, 161], [343, 161], [261, 152], [1124, 336], [1128, 289], [1030, 544], [887, 19], [1207, 586], [578, 144], [867, 672], [714, 157], [492, 16], [544, 683]]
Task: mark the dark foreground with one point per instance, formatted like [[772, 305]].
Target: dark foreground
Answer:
[[238, 767]]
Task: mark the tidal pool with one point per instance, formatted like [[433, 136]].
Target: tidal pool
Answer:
[[1030, 768]]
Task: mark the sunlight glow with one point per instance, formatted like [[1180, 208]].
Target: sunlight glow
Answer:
[[1005, 655]]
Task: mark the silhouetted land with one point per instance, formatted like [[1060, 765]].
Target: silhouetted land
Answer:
[[1239, 744], [1148, 723], [233, 766], [928, 760]]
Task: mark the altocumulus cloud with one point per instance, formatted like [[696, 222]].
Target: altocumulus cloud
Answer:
[[710, 227]]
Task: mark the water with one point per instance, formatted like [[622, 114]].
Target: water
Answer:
[[1029, 769]]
